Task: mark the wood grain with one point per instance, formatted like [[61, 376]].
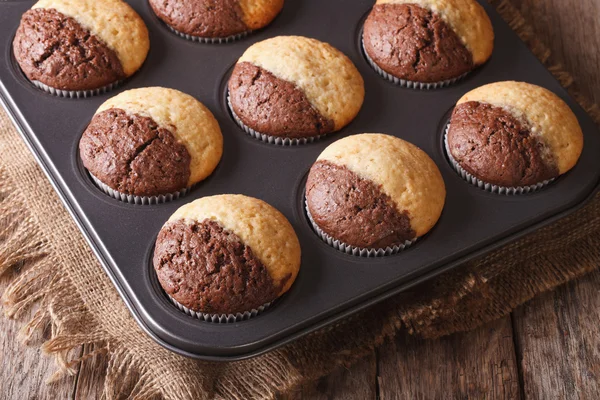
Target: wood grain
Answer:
[[356, 383], [25, 369], [571, 28], [478, 364], [90, 381], [558, 342]]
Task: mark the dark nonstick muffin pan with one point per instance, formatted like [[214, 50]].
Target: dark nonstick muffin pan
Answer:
[[331, 284]]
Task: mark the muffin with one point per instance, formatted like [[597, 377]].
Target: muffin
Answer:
[[373, 194], [215, 21], [513, 137], [80, 48], [150, 145], [292, 89], [226, 258], [427, 43]]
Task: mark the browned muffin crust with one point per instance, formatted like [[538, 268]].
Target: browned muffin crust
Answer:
[[203, 18], [494, 146], [274, 106], [413, 43], [57, 51], [354, 210], [133, 155], [209, 269]]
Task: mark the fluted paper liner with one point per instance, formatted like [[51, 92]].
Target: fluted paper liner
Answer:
[[76, 94], [221, 318], [209, 40], [141, 200]]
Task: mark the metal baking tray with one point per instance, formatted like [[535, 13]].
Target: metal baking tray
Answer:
[[331, 285]]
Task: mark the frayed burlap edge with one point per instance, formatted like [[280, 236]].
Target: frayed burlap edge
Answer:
[[77, 301]]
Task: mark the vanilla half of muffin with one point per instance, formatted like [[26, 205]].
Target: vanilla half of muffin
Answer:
[[374, 191], [514, 134], [295, 87], [151, 141], [226, 254]]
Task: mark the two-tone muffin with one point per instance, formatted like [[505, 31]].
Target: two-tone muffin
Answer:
[[215, 21], [80, 48], [150, 145], [427, 43], [226, 258], [513, 137], [373, 194], [292, 89]]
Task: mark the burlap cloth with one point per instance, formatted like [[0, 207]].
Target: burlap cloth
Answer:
[[59, 274]]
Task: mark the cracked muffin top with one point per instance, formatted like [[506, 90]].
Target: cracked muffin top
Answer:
[[216, 18], [80, 45], [226, 254], [374, 191], [514, 134], [295, 87], [428, 40], [151, 141]]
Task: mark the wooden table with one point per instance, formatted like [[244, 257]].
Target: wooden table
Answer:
[[548, 348]]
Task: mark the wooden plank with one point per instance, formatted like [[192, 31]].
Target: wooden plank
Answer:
[[571, 28], [25, 369], [478, 364], [90, 381], [558, 342], [356, 383]]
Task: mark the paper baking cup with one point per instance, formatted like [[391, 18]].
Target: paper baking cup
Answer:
[[410, 84], [353, 250], [488, 186], [76, 94], [142, 200], [209, 40], [220, 318], [269, 138]]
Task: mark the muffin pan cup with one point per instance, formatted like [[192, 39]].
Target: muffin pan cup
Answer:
[[221, 318], [354, 250], [141, 200], [332, 284], [406, 83], [270, 139], [76, 94], [208, 40], [489, 186]]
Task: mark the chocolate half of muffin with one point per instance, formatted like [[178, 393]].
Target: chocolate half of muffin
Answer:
[[202, 18], [413, 43], [132, 154], [497, 147], [57, 51], [273, 106], [354, 210], [209, 269]]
